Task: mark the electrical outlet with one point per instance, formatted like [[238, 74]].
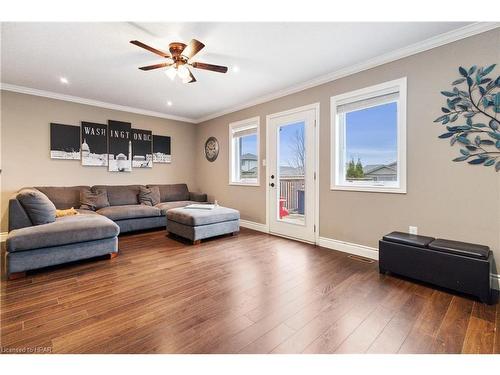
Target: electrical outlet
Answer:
[[413, 230]]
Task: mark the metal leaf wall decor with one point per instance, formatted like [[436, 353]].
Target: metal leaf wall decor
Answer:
[[470, 116]]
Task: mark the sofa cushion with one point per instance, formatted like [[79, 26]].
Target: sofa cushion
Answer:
[[196, 217], [150, 196], [165, 206], [129, 212], [460, 248], [197, 197], [82, 211], [63, 197], [93, 199], [408, 239], [173, 192], [63, 231], [119, 195], [37, 205]]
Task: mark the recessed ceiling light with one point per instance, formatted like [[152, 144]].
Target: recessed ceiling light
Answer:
[[169, 103], [64, 80], [236, 68]]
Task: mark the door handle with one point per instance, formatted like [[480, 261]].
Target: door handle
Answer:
[[271, 184]]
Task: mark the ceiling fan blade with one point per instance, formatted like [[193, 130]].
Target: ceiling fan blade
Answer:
[[214, 68], [151, 49], [155, 66], [192, 48], [190, 78]]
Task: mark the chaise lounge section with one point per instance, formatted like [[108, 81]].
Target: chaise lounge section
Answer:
[[65, 240]]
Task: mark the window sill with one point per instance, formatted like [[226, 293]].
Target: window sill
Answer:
[[370, 189], [254, 184]]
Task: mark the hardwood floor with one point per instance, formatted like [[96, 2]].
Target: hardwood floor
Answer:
[[253, 293]]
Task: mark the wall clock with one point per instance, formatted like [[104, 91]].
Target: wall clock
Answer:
[[211, 149]]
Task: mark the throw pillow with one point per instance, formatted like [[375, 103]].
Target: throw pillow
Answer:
[[149, 196], [69, 212], [38, 206], [93, 199]]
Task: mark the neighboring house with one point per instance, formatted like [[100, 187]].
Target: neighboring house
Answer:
[[248, 162], [381, 172], [248, 165], [287, 171]]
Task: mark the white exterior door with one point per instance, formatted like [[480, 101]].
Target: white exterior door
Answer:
[[291, 173]]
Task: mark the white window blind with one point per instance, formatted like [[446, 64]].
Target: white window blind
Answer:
[[366, 103], [244, 131]]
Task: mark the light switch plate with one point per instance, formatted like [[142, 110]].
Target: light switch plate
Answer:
[[413, 230]]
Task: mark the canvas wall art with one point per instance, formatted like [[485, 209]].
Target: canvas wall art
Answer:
[[142, 148], [94, 144], [64, 142], [161, 149], [119, 146]]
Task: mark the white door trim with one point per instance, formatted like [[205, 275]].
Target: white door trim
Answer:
[[316, 108]]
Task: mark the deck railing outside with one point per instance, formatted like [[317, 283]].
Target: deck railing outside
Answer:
[[289, 190]]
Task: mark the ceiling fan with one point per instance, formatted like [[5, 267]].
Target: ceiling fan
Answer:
[[180, 56]]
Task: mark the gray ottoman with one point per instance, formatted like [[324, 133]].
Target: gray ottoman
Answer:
[[198, 224]]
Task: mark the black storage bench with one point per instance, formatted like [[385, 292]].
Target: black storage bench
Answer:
[[460, 266]]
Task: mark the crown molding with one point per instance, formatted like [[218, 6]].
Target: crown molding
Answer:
[[91, 102], [425, 45]]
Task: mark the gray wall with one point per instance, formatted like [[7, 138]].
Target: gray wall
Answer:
[[25, 143], [444, 199]]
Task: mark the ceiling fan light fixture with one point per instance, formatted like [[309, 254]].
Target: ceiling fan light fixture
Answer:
[[181, 55], [186, 80], [183, 72], [171, 72]]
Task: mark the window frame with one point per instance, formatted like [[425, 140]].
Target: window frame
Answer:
[[338, 138], [250, 123]]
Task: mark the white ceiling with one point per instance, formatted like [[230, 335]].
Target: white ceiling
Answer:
[[100, 63]]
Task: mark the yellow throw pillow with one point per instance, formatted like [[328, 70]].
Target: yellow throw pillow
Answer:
[[68, 212]]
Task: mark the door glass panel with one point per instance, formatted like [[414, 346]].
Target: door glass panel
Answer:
[[291, 171]]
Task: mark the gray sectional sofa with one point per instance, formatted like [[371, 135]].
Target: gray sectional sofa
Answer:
[[90, 233]]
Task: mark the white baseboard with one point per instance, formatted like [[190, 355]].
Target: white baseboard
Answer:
[[3, 236], [350, 248], [255, 226]]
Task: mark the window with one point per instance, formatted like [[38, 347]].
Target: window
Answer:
[[244, 152], [369, 139]]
